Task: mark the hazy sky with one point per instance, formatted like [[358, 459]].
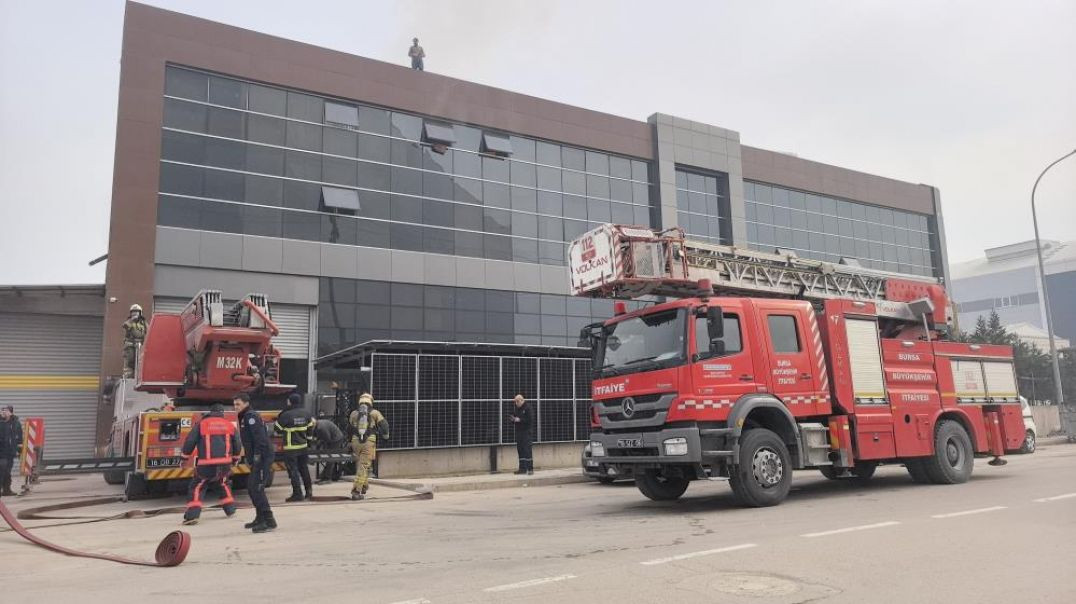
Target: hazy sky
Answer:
[[974, 97]]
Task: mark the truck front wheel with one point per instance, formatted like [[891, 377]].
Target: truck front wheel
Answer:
[[953, 457], [763, 475], [660, 488]]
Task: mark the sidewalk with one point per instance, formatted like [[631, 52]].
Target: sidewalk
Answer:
[[483, 482]]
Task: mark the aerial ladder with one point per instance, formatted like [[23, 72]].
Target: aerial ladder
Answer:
[[615, 261]]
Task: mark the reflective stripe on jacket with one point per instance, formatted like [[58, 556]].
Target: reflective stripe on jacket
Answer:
[[215, 439], [295, 424]]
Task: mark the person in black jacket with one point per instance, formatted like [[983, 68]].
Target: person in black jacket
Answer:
[[524, 421], [10, 442], [259, 453], [296, 424], [215, 442], [329, 438]]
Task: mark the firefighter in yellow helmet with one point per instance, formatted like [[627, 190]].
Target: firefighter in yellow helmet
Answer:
[[367, 425], [134, 334]]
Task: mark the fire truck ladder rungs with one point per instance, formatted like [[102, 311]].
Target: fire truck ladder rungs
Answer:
[[734, 270]]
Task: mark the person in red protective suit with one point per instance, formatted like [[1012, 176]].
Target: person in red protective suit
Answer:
[[216, 441]]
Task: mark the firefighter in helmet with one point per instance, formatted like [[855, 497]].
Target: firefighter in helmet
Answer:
[[367, 425], [134, 334], [214, 442]]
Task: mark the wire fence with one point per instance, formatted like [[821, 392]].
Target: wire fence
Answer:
[[433, 400]]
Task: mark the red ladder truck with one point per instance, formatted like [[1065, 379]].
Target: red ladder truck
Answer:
[[208, 353], [762, 363]]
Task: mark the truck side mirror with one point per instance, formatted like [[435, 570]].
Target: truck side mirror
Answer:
[[715, 324], [717, 348]]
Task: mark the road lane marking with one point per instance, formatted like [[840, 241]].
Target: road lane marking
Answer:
[[530, 583], [850, 529], [1055, 497], [968, 512], [415, 601], [708, 552]]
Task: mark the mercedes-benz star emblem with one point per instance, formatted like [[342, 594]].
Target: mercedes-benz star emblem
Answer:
[[628, 407]]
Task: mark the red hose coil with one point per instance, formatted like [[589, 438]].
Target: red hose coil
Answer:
[[171, 551]]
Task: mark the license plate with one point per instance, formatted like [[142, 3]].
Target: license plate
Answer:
[[592, 464], [625, 443], [164, 462]]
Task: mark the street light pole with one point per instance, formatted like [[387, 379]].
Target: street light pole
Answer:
[[1045, 296]]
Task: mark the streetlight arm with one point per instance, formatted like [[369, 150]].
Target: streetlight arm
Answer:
[[1042, 281]]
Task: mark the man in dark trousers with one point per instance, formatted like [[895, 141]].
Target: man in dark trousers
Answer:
[[259, 453], [216, 442], [417, 55], [524, 421], [329, 438], [10, 442], [296, 424]]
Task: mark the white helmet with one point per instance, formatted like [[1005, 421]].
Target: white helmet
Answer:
[[135, 307]]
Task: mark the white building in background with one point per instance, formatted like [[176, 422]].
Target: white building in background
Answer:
[[1036, 336], [1006, 279]]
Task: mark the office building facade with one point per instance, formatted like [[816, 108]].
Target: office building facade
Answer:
[[372, 202]]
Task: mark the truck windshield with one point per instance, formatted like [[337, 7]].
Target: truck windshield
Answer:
[[643, 343]]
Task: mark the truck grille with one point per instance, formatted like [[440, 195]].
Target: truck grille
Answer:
[[647, 410]]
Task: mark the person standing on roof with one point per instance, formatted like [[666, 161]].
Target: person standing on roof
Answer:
[[417, 54], [296, 424], [10, 443], [368, 425], [134, 334], [216, 442], [258, 450]]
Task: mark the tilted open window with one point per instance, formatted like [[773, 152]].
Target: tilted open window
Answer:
[[438, 133], [345, 200], [496, 144]]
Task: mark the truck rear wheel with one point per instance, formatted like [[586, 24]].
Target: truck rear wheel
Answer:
[[953, 457], [660, 488], [763, 475]]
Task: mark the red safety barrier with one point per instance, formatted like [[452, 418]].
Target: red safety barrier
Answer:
[[33, 439]]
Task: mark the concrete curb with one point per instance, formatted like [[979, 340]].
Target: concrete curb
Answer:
[[484, 484]]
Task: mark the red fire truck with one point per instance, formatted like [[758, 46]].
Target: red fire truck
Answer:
[[205, 354], [759, 364]]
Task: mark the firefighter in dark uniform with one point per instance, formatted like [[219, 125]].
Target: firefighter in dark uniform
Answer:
[[524, 421], [296, 425], [134, 334], [259, 453], [216, 442]]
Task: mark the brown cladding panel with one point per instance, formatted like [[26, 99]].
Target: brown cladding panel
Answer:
[[797, 173]]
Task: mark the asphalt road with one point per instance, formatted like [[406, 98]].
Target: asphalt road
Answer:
[[1009, 535]]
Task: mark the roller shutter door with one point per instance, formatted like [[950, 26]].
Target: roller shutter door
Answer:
[[49, 368], [292, 319], [968, 380], [868, 380], [1000, 380]]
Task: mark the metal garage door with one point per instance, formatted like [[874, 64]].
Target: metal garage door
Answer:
[[292, 319], [49, 368]]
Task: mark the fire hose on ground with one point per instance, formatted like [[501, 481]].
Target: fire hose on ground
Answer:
[[173, 549]]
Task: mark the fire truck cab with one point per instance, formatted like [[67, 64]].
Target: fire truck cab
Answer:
[[749, 389]]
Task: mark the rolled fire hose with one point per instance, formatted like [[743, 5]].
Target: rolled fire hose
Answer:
[[170, 552]]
